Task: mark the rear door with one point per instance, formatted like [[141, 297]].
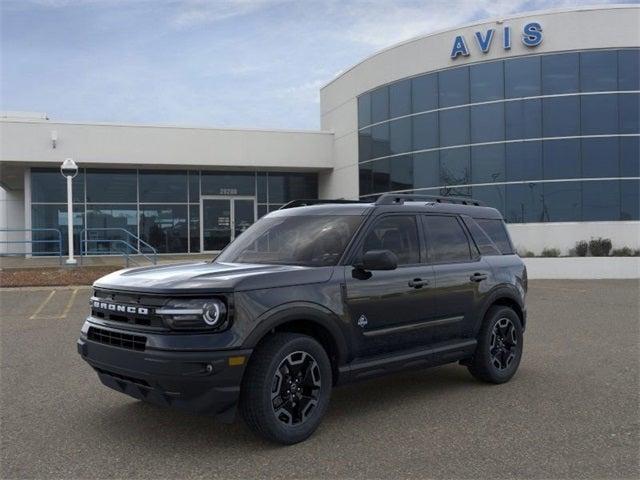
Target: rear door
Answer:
[[461, 276], [388, 308]]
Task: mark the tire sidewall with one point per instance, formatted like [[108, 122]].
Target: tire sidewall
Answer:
[[297, 433]]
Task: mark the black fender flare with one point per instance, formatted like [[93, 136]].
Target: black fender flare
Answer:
[[499, 292], [310, 312]]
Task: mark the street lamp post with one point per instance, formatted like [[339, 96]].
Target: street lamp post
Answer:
[[69, 169]]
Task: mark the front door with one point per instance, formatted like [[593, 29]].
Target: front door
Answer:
[[223, 219]]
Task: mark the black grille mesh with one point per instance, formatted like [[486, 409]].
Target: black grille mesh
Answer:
[[117, 339]]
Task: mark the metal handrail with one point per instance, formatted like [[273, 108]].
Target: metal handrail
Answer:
[[83, 241], [32, 241], [125, 252]]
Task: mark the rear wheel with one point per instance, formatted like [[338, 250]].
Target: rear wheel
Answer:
[[500, 343], [286, 389]]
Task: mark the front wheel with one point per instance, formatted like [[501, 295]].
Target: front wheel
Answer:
[[500, 343], [286, 389]]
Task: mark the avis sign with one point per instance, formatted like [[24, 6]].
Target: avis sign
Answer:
[[531, 37]]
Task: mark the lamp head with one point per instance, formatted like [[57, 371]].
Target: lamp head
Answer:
[[69, 168]]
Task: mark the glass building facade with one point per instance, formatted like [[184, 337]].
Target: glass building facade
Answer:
[[161, 207], [542, 138]]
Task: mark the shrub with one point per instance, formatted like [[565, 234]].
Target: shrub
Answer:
[[581, 248], [526, 253], [624, 252], [550, 252], [600, 247]]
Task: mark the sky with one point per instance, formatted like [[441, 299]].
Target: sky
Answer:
[[218, 63]]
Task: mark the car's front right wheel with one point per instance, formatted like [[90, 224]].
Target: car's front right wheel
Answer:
[[499, 349], [286, 389]]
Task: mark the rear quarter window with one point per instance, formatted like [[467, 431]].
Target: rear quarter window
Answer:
[[497, 232]]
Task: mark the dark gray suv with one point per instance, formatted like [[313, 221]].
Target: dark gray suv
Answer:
[[313, 295]]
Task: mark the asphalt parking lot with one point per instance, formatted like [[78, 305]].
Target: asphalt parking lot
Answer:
[[572, 411]]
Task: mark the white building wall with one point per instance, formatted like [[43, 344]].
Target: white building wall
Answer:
[[11, 217]]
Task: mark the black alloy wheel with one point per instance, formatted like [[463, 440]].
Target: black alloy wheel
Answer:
[[296, 387], [504, 343]]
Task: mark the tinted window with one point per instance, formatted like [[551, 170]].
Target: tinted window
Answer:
[[630, 200], [194, 186], [48, 185], [426, 169], [523, 161], [629, 113], [54, 216], [561, 201], [364, 110], [424, 90], [487, 123], [380, 140], [523, 119], [497, 232], [491, 195], [522, 77], [365, 145], [113, 186], [600, 157], [454, 87], [398, 234], [524, 203], [487, 81], [629, 70], [261, 187], [447, 241], [481, 239], [600, 201], [454, 127], [163, 186], [425, 131], [400, 98], [400, 135], [599, 71], [165, 227], [454, 166], [284, 187], [228, 183], [561, 116], [402, 172], [629, 156], [561, 159], [381, 175], [194, 227], [487, 164], [560, 73], [380, 105], [366, 178], [599, 114]]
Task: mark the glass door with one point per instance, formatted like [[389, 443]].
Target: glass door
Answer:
[[223, 219]]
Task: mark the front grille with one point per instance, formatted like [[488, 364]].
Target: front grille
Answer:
[[103, 299], [126, 378], [117, 339]]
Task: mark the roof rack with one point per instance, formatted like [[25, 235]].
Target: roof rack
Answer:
[[306, 203], [399, 199]]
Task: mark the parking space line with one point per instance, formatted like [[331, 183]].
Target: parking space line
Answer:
[[69, 304], [42, 305]]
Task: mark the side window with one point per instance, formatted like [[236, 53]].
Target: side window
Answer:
[[498, 233], [447, 241], [398, 234], [482, 240]]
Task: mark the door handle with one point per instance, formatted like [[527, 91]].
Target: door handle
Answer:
[[418, 283], [478, 277]]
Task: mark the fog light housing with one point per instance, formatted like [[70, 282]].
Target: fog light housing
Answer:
[[209, 314]]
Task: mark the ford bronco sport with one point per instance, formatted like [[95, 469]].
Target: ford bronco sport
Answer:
[[310, 297]]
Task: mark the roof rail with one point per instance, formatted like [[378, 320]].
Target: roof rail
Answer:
[[399, 199], [306, 203]]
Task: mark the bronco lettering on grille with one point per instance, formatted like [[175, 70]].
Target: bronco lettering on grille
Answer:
[[113, 307]]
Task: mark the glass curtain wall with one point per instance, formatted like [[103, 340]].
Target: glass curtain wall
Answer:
[[161, 207], [543, 138]]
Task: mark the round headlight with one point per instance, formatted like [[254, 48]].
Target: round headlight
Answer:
[[211, 313]]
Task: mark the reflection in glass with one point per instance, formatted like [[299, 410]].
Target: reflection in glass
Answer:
[[523, 119], [630, 157], [599, 71], [380, 105], [600, 157], [487, 81], [487, 164], [629, 69], [424, 92], [453, 87], [400, 98], [426, 169], [194, 228], [402, 172], [194, 186], [561, 158], [600, 201], [454, 166], [216, 224], [380, 140], [425, 131], [400, 135], [364, 110], [49, 186], [599, 114], [630, 200], [115, 219], [524, 203], [381, 175], [523, 161], [366, 178], [487, 123], [112, 186], [231, 183], [491, 195], [165, 227], [561, 116], [522, 77], [365, 145], [454, 127], [560, 73], [163, 186], [561, 202], [54, 216], [629, 113]]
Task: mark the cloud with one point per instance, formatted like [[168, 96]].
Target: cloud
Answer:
[[200, 12]]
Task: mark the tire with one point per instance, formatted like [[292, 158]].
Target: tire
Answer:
[[286, 388], [499, 349]]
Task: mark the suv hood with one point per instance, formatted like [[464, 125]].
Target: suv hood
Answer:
[[205, 277]]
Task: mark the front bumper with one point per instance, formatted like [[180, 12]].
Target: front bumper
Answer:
[[201, 382]]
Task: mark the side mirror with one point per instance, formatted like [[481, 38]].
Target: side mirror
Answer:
[[379, 260]]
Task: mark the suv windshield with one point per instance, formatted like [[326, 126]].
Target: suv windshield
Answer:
[[312, 240]]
